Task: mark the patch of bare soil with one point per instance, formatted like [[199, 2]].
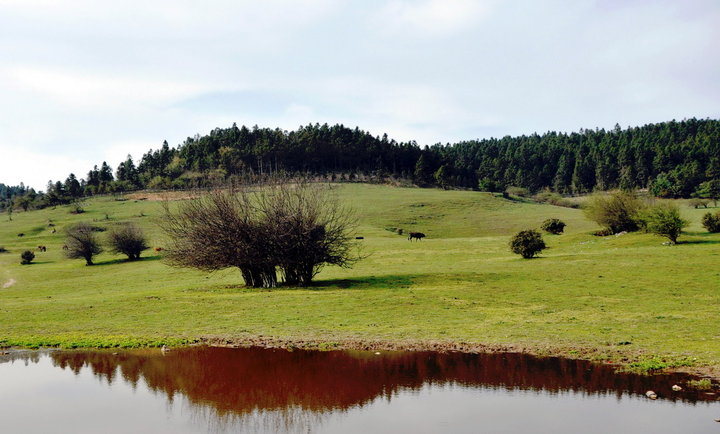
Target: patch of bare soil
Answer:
[[9, 283]]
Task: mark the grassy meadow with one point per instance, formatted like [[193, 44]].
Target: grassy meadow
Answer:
[[623, 298]]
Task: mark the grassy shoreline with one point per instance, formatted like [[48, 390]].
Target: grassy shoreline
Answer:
[[625, 300]]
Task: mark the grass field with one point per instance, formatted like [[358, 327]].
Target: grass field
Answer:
[[624, 298]]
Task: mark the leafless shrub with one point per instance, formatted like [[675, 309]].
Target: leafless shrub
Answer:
[[294, 227], [82, 242], [127, 239]]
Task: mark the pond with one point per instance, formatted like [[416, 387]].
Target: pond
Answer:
[[201, 389]]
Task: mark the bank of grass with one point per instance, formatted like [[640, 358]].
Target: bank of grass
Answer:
[[625, 299]]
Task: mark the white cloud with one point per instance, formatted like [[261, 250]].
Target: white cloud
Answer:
[[92, 90], [35, 169], [434, 17]]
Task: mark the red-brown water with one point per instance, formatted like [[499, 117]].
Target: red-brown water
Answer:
[[263, 390]]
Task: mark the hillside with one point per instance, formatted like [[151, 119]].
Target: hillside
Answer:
[[585, 295]]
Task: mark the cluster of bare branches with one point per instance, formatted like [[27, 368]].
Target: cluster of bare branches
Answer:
[[129, 240], [289, 226], [81, 242]]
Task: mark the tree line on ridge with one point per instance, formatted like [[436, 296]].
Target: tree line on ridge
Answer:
[[672, 159]]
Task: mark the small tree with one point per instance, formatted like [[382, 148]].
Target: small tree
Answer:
[[711, 222], [664, 219], [709, 190], [27, 257], [81, 242], [617, 211], [127, 239], [527, 243], [553, 226], [443, 176]]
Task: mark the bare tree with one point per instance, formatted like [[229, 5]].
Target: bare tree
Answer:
[[309, 228], [294, 227], [128, 239], [81, 242]]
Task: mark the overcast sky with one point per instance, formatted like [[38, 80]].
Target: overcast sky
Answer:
[[87, 81]]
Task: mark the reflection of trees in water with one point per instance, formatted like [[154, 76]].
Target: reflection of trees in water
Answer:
[[240, 380], [24, 355], [292, 390]]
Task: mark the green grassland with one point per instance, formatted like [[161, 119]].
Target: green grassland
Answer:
[[624, 298]]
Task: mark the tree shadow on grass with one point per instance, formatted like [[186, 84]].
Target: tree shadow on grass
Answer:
[[394, 281], [682, 242], [700, 238], [390, 281], [126, 261]]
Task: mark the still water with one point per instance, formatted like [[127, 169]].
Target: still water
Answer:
[[202, 389]]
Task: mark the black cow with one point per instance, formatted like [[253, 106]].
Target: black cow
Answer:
[[417, 235]]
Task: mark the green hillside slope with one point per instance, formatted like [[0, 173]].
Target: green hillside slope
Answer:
[[585, 295]]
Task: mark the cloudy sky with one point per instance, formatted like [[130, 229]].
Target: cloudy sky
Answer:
[[87, 81]]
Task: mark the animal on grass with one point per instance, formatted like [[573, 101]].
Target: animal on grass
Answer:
[[416, 235]]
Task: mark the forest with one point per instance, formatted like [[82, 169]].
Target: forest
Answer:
[[671, 159]]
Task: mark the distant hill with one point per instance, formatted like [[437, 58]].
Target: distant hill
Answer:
[[672, 158]]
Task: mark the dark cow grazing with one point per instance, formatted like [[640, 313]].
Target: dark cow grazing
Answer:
[[158, 249], [65, 247], [417, 235], [359, 238], [21, 234], [42, 249]]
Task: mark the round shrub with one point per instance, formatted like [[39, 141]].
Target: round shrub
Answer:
[[27, 257], [664, 219], [527, 243], [711, 222], [553, 226], [617, 211], [129, 240]]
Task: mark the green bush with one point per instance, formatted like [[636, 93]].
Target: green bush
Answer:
[[698, 202], [487, 184], [553, 226], [711, 222], [527, 243], [552, 198], [517, 191], [27, 257], [664, 219], [617, 212]]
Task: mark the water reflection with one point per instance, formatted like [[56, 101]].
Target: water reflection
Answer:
[[279, 390], [243, 380]]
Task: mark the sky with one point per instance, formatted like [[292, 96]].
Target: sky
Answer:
[[82, 82]]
